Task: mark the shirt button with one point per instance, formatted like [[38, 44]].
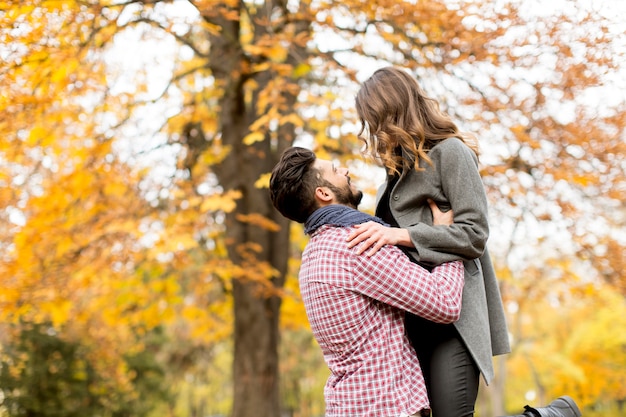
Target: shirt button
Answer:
[[395, 197]]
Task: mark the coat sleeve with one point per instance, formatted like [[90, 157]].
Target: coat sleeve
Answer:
[[457, 168]]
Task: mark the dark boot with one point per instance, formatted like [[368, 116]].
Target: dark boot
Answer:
[[561, 407]]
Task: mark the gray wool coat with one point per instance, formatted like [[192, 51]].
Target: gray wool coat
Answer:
[[454, 181]]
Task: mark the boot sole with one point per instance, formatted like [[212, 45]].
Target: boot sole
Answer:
[[572, 405]]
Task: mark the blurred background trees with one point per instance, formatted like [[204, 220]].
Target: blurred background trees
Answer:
[[143, 269]]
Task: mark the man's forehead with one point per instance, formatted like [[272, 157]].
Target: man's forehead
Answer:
[[322, 164]]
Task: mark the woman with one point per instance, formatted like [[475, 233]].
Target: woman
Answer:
[[427, 157]]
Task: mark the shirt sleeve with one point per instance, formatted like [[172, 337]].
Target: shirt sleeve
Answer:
[[457, 168], [390, 277]]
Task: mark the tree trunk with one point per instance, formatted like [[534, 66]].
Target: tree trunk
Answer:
[[256, 302], [262, 254]]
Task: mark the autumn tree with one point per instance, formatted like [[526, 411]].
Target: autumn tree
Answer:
[[43, 374], [134, 197]]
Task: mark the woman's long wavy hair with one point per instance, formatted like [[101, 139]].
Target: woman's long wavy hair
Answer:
[[396, 113]]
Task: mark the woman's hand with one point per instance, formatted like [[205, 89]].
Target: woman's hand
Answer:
[[440, 218], [374, 236]]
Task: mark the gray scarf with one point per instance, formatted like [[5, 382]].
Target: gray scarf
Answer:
[[337, 215]]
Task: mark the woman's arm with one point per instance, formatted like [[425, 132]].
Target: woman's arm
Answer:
[[462, 187], [457, 169], [375, 235]]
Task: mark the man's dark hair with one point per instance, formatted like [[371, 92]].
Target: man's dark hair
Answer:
[[293, 182]]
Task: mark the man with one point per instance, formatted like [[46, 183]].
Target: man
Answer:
[[356, 303]]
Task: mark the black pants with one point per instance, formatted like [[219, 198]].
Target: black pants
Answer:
[[451, 374]]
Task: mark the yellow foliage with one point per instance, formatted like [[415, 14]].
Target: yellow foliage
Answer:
[[263, 181], [301, 70], [277, 53], [258, 220], [292, 118], [58, 310], [261, 121], [223, 202], [255, 49], [570, 348], [178, 242], [253, 137], [105, 251]]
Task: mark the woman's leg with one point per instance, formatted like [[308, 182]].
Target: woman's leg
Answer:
[[454, 379], [450, 373]]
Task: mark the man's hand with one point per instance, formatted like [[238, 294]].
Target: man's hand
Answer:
[[439, 217]]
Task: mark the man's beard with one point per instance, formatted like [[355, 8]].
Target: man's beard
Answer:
[[346, 196]]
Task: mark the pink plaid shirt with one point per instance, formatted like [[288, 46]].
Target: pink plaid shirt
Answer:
[[355, 306]]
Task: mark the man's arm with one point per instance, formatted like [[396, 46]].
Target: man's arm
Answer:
[[390, 277]]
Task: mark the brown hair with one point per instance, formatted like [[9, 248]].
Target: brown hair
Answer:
[[396, 113], [293, 182]]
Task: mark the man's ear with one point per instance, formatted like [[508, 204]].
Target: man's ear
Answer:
[[323, 194]]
